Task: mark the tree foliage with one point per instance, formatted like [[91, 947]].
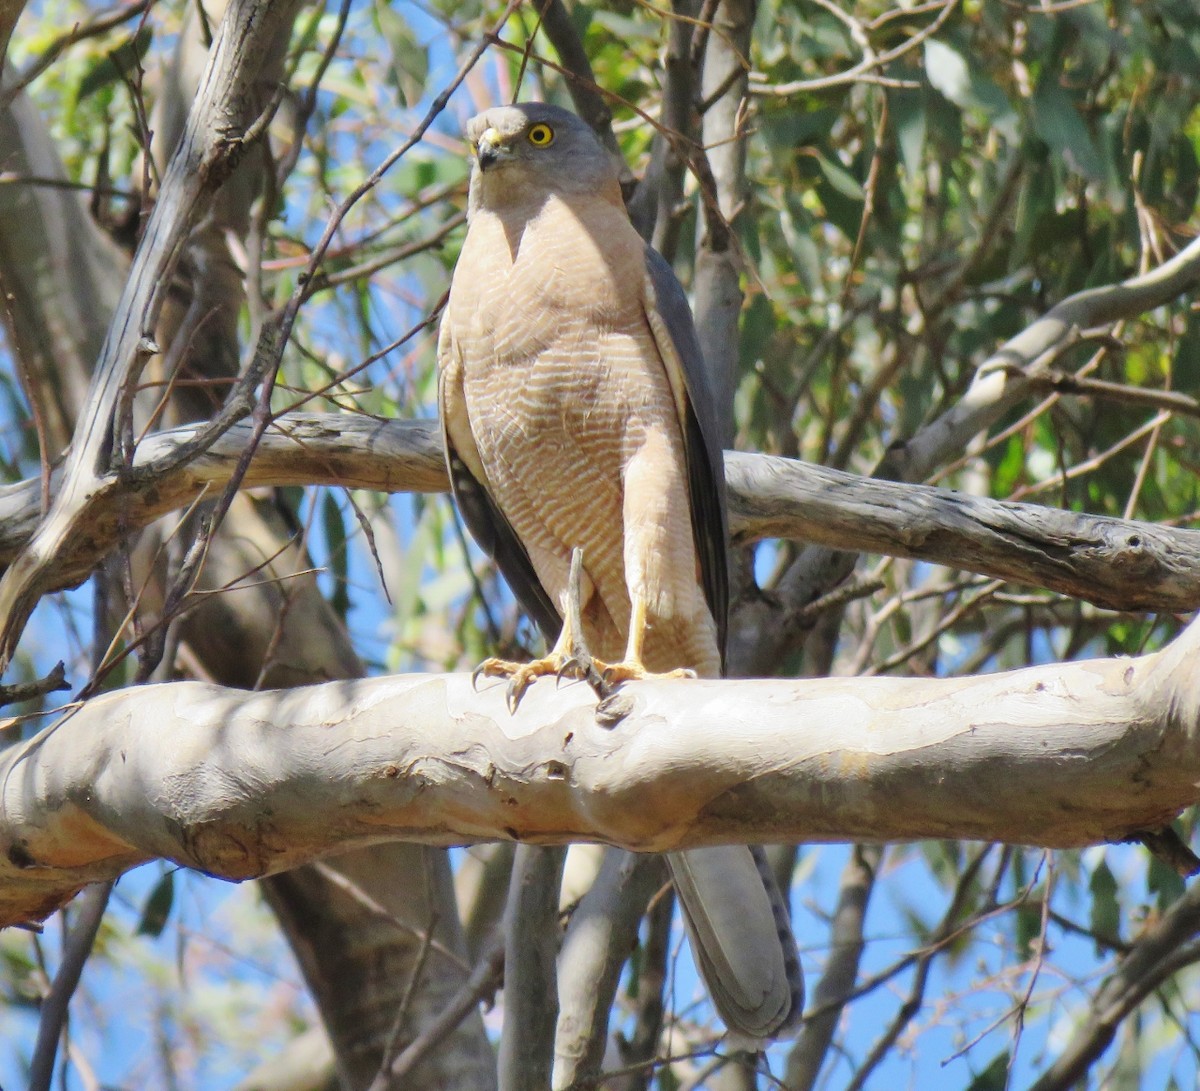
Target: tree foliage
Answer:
[[871, 204]]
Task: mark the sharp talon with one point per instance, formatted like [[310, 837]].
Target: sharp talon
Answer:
[[609, 675], [577, 666], [475, 675], [600, 687], [518, 682]]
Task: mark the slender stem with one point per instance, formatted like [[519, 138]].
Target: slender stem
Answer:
[[76, 949]]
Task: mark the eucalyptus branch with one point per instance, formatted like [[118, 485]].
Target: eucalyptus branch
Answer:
[[1024, 757], [601, 933], [208, 152], [1154, 957], [1121, 564], [1003, 379], [54, 1008], [531, 936], [836, 986]]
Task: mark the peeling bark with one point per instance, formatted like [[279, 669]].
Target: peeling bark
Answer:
[[1123, 564]]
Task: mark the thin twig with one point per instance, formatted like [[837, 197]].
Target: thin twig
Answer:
[[275, 335], [347, 885], [1152, 960], [1174, 401], [863, 70], [841, 968], [485, 979], [924, 963], [53, 1016], [101, 23]]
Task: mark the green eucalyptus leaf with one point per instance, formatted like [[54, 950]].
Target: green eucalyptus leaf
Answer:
[[156, 910]]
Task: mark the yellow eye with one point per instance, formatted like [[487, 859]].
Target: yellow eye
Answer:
[[541, 135]]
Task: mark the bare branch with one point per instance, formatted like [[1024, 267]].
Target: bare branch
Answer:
[[531, 935], [1022, 542], [1151, 960], [864, 71], [834, 990], [54, 1007], [590, 103], [54, 681], [251, 783], [1173, 401], [1114, 563], [485, 979], [1001, 380], [601, 934], [717, 281], [657, 204], [904, 1015], [209, 150]]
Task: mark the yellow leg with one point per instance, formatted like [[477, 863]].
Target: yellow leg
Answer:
[[631, 668], [569, 656]]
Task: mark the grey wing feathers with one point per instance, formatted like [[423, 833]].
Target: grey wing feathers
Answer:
[[702, 443], [496, 537]]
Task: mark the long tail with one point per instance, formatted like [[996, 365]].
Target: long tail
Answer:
[[741, 939]]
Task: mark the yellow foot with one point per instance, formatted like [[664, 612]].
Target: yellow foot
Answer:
[[576, 663], [568, 658], [632, 671]]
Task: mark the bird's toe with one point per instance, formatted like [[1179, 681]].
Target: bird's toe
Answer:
[[632, 671]]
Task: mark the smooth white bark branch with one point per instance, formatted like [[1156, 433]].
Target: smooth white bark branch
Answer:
[[241, 784]]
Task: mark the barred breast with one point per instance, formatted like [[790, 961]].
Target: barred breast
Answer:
[[566, 392]]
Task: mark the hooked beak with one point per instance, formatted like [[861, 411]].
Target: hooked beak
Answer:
[[490, 149]]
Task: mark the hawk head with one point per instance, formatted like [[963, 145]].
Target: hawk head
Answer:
[[524, 152]]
